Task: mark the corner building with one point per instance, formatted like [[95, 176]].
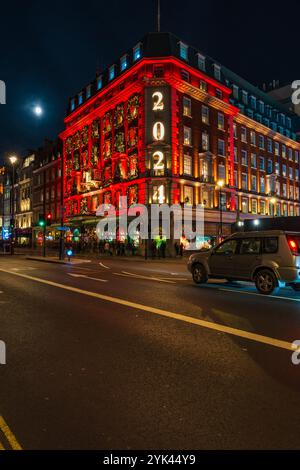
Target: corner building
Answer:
[[163, 124]]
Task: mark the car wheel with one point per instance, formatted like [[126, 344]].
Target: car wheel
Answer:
[[199, 274], [266, 282]]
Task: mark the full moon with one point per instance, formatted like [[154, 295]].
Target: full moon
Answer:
[[38, 110]]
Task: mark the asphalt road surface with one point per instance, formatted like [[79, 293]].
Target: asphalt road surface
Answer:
[[118, 354]]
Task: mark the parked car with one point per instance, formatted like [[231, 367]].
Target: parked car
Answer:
[[270, 259]]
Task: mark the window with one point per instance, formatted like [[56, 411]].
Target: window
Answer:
[[245, 181], [187, 106], [185, 75], [244, 97], [217, 71], [137, 52], [244, 155], [205, 141], [221, 147], [221, 121], [221, 171], [203, 85], [88, 91], [296, 174], [290, 152], [183, 51], [269, 166], [111, 72], [253, 102], [262, 184], [283, 151], [201, 62], [253, 183], [188, 195], [187, 165], [80, 98], [283, 170], [253, 160], [261, 141], [276, 148], [235, 91], [235, 155], [270, 145], [288, 122], [262, 207], [187, 135], [72, 104], [226, 248], [123, 63], [234, 130], [261, 107], [243, 134], [291, 175], [252, 138], [296, 156], [250, 246], [99, 82], [244, 205], [205, 114]]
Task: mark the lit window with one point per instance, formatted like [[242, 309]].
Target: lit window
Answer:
[[283, 151], [262, 184], [72, 104], [99, 82], [205, 114], [243, 134], [221, 171], [123, 63], [245, 181], [137, 52], [111, 72], [254, 206], [205, 141], [201, 62], [221, 122], [244, 157], [183, 51], [187, 135], [253, 138], [253, 183], [188, 195], [203, 85], [253, 160], [187, 106], [276, 148], [80, 98], [187, 165], [262, 207]]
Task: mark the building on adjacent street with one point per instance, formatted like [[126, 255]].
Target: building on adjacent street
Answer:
[[24, 213]]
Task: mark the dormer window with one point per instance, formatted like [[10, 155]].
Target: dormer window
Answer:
[[217, 72], [99, 82], [88, 91], [201, 62], [137, 52], [244, 97], [80, 98], [111, 72], [123, 62], [183, 51], [235, 91], [72, 104]]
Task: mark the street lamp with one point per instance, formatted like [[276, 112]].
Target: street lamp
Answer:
[[220, 184], [273, 201], [13, 160]]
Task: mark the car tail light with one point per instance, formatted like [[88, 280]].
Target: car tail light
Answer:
[[293, 246]]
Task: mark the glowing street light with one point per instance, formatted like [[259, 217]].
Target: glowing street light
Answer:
[[38, 110], [220, 184]]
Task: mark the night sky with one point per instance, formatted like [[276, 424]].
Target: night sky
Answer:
[[50, 49]]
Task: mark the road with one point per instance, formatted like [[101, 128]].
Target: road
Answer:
[[118, 354]]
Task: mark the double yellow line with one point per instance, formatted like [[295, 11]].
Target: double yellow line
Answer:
[[9, 436]]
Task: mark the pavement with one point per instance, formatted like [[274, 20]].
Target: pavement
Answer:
[[117, 355]]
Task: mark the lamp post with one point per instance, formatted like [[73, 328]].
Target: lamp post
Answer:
[[13, 160], [220, 184], [273, 201]]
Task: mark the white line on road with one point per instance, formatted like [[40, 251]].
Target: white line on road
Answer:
[[149, 278], [165, 313], [260, 295], [88, 277], [103, 266]]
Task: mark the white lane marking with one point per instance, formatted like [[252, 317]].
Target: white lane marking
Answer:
[[88, 277], [177, 278], [282, 344], [103, 266], [149, 278], [260, 295]]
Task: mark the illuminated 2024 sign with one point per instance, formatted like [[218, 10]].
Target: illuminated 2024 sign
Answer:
[[2, 92], [158, 136], [296, 93]]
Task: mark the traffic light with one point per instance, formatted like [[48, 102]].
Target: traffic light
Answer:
[[41, 222], [49, 219]]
